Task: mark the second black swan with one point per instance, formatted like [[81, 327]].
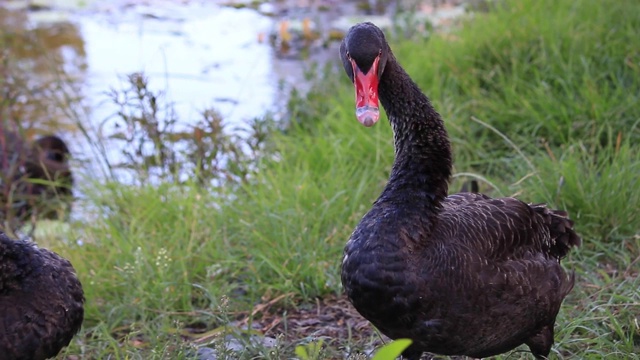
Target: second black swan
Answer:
[[41, 301], [462, 274]]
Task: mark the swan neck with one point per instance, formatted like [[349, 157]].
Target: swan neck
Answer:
[[422, 164]]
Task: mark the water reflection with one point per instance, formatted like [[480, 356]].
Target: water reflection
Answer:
[[201, 54]]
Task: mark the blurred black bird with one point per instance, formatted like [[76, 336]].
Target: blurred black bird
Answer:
[[35, 181]]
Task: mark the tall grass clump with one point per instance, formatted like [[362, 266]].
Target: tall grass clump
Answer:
[[539, 71], [600, 190]]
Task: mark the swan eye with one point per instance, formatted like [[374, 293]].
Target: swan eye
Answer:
[[348, 56], [54, 156]]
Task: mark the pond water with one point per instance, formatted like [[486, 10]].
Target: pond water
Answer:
[[195, 52], [201, 54]]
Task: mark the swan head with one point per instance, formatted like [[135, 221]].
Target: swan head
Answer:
[[49, 160], [364, 53], [52, 148]]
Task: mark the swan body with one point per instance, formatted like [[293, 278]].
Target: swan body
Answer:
[[462, 274], [41, 301]]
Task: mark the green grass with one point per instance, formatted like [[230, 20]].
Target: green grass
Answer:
[[559, 80]]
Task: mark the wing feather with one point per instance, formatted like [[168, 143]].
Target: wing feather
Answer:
[[506, 227]]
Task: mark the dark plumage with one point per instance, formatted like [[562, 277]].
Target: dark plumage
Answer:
[[35, 179], [463, 274], [41, 301]]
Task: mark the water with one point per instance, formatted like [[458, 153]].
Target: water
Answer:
[[202, 54], [197, 53]]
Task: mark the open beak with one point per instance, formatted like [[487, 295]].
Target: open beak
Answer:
[[367, 110]]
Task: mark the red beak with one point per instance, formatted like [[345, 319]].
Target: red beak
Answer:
[[367, 110]]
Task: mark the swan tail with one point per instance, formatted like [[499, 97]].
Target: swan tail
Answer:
[[563, 236]]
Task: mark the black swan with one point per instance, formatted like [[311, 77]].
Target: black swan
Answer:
[[41, 301], [36, 178], [463, 274]]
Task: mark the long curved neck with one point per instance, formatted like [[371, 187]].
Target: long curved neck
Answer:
[[422, 166]]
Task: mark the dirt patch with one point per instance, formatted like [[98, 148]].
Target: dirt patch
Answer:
[[329, 318]]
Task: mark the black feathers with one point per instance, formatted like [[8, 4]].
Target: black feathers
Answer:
[[41, 301]]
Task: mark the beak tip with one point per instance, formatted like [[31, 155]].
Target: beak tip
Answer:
[[368, 122], [368, 115]]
